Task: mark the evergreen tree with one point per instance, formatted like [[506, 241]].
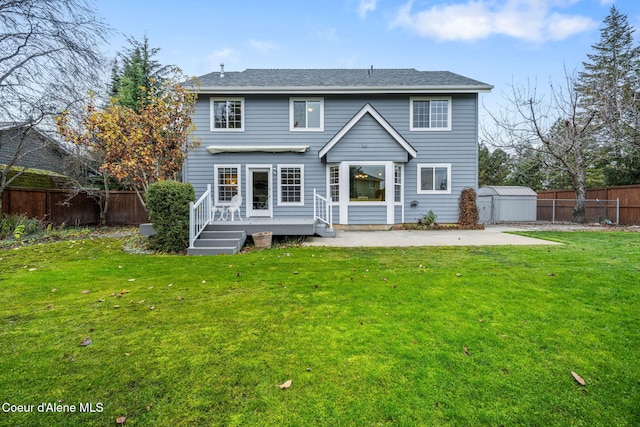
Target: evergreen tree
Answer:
[[609, 87], [493, 167], [130, 83], [528, 169]]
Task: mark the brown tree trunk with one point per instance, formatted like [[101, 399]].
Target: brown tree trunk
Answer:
[[580, 187]]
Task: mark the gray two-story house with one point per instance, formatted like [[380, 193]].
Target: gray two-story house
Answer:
[[378, 146]]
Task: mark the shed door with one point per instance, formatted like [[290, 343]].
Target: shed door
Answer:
[[485, 209]]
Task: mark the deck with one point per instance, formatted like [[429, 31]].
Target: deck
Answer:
[[285, 226], [228, 237]]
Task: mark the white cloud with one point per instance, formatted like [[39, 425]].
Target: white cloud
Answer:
[[215, 58], [365, 7], [531, 20], [262, 46], [327, 35]]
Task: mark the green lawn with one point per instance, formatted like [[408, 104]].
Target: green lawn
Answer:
[[460, 336]]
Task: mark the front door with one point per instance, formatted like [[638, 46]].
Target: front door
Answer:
[[259, 200]]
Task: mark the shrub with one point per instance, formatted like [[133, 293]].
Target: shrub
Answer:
[[429, 219], [468, 215], [18, 226], [168, 209]]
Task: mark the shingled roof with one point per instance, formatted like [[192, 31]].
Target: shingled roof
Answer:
[[338, 81]]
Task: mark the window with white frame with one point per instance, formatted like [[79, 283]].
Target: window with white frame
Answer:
[[306, 114], [397, 172], [367, 183], [227, 114], [334, 183], [430, 113], [226, 183], [291, 184], [434, 179]]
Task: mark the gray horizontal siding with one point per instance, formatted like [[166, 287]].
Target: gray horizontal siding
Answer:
[[267, 123], [367, 141], [362, 214]]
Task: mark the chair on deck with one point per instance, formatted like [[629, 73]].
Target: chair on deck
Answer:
[[234, 207], [221, 210]]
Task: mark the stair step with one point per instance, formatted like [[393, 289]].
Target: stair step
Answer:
[[323, 231], [218, 243], [223, 234], [213, 251]]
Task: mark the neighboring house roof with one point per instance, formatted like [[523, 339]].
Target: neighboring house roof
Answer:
[[326, 81], [37, 149], [502, 190]]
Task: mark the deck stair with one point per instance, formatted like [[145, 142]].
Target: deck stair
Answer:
[[215, 242]]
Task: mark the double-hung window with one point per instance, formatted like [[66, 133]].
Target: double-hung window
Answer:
[[306, 114], [430, 113], [434, 179], [334, 183], [291, 185], [397, 180], [227, 114], [226, 183]]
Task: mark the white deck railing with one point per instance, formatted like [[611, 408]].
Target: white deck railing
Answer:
[[200, 215], [322, 209]]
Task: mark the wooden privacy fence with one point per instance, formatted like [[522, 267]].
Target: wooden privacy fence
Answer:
[[604, 202], [53, 206]]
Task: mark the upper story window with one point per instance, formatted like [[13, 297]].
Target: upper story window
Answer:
[[430, 113], [306, 114], [227, 114]]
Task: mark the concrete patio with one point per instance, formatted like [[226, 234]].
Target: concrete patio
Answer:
[[491, 235]]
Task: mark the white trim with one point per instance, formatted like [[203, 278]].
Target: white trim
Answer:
[[401, 166], [306, 129], [212, 113], [430, 98], [382, 163], [419, 168], [402, 190], [368, 109], [389, 171], [343, 171], [340, 90], [216, 196], [249, 212], [218, 149], [279, 183]]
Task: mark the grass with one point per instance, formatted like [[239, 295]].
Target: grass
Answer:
[[371, 336]]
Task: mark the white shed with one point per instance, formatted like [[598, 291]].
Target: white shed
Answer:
[[498, 204]]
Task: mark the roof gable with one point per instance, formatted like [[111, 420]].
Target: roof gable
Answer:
[[368, 109]]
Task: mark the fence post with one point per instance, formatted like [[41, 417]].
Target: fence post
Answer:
[[553, 211], [617, 211]]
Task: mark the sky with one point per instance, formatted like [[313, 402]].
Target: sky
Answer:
[[504, 43]]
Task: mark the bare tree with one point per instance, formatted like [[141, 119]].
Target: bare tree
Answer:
[[49, 59], [557, 127]]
